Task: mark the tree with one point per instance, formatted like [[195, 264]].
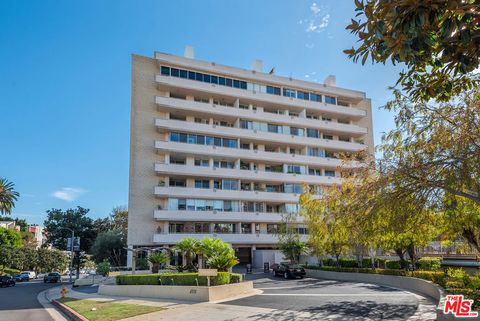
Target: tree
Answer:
[[189, 247], [218, 254], [119, 219], [75, 219], [10, 238], [438, 41], [292, 249], [8, 196], [103, 268], [158, 259], [110, 246], [52, 260]]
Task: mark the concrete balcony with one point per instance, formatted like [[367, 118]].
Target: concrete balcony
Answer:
[[246, 154], [227, 173], [260, 136], [201, 193], [219, 216], [234, 239], [206, 108], [173, 82]]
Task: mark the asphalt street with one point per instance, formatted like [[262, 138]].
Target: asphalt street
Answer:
[[329, 300], [19, 303]]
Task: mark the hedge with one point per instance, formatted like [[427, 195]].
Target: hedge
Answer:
[[393, 264], [178, 279], [429, 263], [10, 271]]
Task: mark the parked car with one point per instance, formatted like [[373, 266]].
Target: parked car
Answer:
[[21, 277], [289, 270], [52, 277], [6, 281], [31, 275]]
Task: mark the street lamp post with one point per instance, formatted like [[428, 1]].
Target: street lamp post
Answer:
[[71, 250]]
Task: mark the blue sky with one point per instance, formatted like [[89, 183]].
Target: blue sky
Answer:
[[65, 80]]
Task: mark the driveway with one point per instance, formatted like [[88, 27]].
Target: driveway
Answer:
[[315, 299]]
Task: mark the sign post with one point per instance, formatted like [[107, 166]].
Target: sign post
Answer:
[[208, 273]]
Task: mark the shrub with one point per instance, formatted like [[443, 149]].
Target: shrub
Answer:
[[348, 263], [457, 278], [393, 264], [471, 294], [141, 264], [103, 268], [437, 277], [177, 279], [367, 262], [235, 278], [429, 263], [329, 262]]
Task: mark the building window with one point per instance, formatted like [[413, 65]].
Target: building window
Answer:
[[201, 162], [191, 75], [200, 183], [289, 92], [230, 184], [330, 100], [224, 228], [174, 228], [272, 228], [174, 72], [316, 97], [206, 78], [313, 133], [314, 172], [198, 76], [273, 90], [165, 71], [178, 160], [183, 73], [177, 182], [327, 137], [303, 95], [330, 173]]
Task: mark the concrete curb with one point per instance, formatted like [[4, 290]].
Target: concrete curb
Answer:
[[72, 314], [44, 299]]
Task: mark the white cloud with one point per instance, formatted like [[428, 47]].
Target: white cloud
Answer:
[[315, 9], [315, 25], [309, 45], [68, 194]]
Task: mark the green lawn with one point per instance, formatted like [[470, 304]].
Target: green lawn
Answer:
[[107, 311]]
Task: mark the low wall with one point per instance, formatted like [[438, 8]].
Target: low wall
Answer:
[[421, 286], [177, 292]]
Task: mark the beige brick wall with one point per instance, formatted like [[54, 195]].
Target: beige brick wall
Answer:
[[141, 202]]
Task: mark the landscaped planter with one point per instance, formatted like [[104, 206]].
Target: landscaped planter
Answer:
[[179, 292]]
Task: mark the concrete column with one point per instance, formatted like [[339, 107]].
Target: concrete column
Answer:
[[129, 256]]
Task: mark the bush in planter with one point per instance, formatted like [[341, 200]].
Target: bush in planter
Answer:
[[348, 263], [177, 279], [103, 268], [437, 277], [393, 264], [429, 263]]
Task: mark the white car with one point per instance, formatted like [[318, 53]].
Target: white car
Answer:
[[31, 274]]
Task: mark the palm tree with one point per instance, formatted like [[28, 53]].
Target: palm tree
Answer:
[[158, 259], [8, 196], [189, 247]]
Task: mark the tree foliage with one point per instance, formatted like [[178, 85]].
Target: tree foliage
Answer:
[[75, 219], [9, 237], [8, 196], [437, 40], [110, 246]]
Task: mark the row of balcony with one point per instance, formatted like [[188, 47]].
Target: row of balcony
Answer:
[[245, 154], [175, 83], [213, 216], [207, 108], [265, 137], [188, 192], [249, 175], [234, 239]]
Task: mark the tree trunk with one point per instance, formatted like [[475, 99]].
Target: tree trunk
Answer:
[[411, 253], [401, 255], [471, 238]]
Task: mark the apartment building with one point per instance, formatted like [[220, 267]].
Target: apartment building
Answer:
[[225, 152]]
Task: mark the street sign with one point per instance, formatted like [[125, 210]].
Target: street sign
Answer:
[[76, 244]]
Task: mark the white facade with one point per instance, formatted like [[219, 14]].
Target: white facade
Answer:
[[225, 152]]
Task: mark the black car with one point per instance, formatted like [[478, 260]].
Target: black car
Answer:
[[288, 270], [52, 277], [6, 281]]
